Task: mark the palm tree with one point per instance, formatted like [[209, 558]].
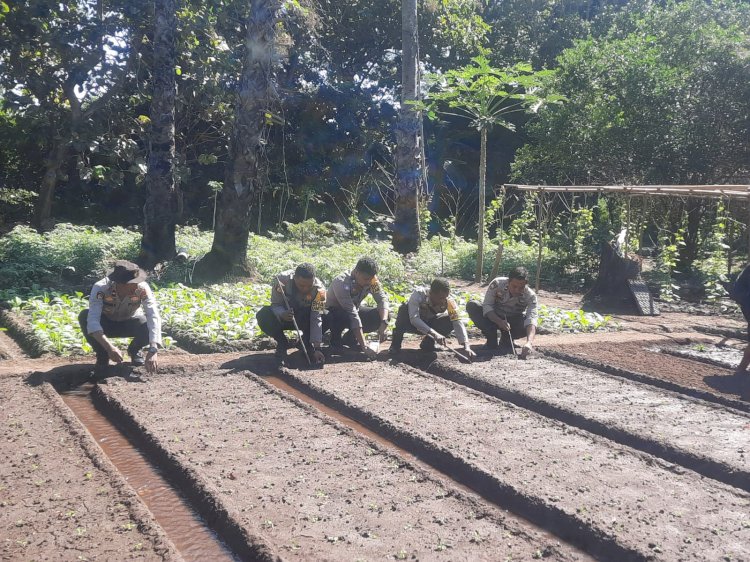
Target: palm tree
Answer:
[[486, 96]]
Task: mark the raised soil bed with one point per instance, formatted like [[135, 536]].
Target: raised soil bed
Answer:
[[701, 436], [617, 503], [60, 498], [303, 486], [680, 374]]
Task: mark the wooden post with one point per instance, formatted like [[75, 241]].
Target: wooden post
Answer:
[[499, 253], [540, 242], [627, 225]]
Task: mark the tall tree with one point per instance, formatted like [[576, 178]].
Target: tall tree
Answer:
[[62, 63], [160, 210], [252, 119], [486, 96], [409, 171]]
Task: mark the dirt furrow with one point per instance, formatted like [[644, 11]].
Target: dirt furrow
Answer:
[[60, 498], [701, 436], [623, 504], [641, 363], [308, 487]]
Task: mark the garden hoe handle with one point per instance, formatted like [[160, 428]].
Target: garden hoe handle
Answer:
[[294, 321], [449, 348], [510, 335]]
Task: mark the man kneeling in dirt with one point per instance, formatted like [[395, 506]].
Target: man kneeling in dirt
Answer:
[[296, 295], [345, 310], [115, 310], [510, 305], [740, 292], [432, 312]]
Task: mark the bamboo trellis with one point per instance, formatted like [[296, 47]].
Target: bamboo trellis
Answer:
[[738, 191]]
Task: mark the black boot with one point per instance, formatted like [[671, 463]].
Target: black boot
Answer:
[[427, 344], [491, 340], [282, 345], [396, 339]]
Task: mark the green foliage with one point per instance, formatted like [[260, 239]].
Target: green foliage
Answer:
[[205, 316], [27, 257], [558, 320], [661, 99]]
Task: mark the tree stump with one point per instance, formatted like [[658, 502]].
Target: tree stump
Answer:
[[611, 291]]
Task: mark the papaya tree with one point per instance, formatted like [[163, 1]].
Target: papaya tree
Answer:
[[486, 96]]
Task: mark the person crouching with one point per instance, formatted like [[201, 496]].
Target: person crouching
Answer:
[[432, 312]]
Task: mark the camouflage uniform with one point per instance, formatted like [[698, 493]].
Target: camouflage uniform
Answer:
[[419, 315], [308, 311], [345, 310]]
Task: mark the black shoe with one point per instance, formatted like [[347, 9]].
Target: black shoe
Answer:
[[349, 340], [394, 349], [137, 359], [491, 343], [280, 352], [427, 344], [101, 368]]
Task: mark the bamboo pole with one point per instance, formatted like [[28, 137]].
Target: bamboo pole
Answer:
[[540, 241]]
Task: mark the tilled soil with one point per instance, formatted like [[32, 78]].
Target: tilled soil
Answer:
[[627, 505], [306, 486], [705, 437], [641, 358], [60, 499]]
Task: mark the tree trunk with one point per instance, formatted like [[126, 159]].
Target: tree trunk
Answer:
[[160, 210], [480, 227], [409, 165], [53, 163], [611, 292], [695, 210], [249, 133]]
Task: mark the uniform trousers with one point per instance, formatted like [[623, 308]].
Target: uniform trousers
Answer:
[[271, 325], [441, 325], [337, 320], [135, 327], [489, 328]]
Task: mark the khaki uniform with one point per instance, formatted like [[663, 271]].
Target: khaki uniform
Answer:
[[314, 302]]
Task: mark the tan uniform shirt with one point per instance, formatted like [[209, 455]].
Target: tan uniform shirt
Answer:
[[498, 299], [421, 311], [315, 301], [347, 295], [105, 300]]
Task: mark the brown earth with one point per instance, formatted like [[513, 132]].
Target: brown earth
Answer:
[[644, 358], [600, 519], [617, 503], [60, 498], [304, 486]]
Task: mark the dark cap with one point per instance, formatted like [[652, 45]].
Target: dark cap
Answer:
[[127, 272]]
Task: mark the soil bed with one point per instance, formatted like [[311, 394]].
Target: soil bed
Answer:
[[725, 357], [682, 375], [308, 487], [622, 504], [704, 437], [60, 498]]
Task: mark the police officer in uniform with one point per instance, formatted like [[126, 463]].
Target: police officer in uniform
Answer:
[[433, 312], [116, 310], [307, 298], [345, 310], [510, 306]]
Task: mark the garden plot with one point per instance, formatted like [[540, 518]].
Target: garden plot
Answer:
[[621, 503], [719, 356], [708, 438], [60, 499], [308, 487], [650, 365]]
